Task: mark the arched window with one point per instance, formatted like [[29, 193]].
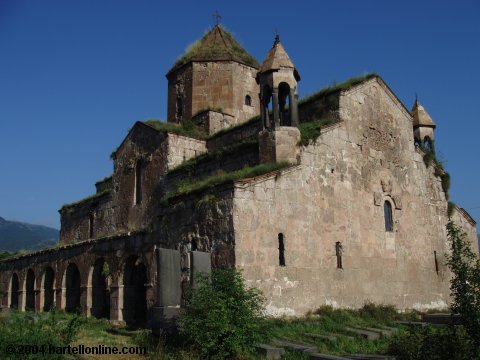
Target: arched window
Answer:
[[138, 183], [90, 225], [179, 107], [248, 100], [281, 249], [387, 209], [427, 144]]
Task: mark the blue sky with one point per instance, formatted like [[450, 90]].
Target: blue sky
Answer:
[[76, 75]]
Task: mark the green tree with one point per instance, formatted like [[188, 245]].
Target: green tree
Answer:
[[223, 318], [465, 285]]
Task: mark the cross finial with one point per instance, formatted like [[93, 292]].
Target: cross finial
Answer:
[[416, 98], [277, 37], [216, 18]]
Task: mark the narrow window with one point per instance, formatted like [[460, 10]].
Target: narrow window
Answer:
[[387, 209], [281, 249], [91, 220], [138, 183], [248, 100], [338, 253], [179, 107], [436, 262], [194, 245]]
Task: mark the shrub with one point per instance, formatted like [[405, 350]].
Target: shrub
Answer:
[[38, 332], [441, 343], [465, 284], [223, 317], [381, 313]]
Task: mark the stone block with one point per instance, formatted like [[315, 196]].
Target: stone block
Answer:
[[200, 262], [330, 338], [366, 334], [270, 352], [169, 277], [295, 345]]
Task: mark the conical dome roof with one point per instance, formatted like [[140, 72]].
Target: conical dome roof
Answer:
[[420, 116], [216, 45], [278, 58]]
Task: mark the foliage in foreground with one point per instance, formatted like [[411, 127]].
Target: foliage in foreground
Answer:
[[37, 330], [223, 318], [433, 343], [465, 285]]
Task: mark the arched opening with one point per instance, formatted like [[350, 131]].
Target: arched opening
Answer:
[[14, 292], [100, 291], [248, 100], [266, 108], [138, 182], [90, 225], [283, 100], [387, 209], [134, 292], [193, 245], [72, 285], [417, 143], [179, 112], [48, 292], [30, 290], [427, 144], [281, 249]]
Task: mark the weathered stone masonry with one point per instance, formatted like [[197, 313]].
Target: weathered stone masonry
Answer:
[[352, 214]]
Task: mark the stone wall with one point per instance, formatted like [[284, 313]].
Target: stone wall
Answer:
[[115, 252], [337, 194], [220, 85], [143, 157], [238, 134], [469, 226]]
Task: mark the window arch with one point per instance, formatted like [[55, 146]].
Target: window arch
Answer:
[[388, 212], [281, 249], [179, 113], [248, 100], [138, 183]]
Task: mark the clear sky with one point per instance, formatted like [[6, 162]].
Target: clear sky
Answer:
[[75, 75]]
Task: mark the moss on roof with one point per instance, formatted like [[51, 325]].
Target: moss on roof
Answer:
[[72, 206], [216, 45], [185, 128], [187, 186], [336, 88]]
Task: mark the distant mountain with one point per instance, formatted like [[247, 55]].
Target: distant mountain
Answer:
[[16, 236]]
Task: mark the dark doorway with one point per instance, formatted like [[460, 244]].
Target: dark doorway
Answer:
[[14, 292], [135, 299], [100, 292], [48, 292], [30, 291], [72, 285]]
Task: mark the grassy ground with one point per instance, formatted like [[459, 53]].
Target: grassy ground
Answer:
[[93, 332]]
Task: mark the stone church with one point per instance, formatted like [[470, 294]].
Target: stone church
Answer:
[[332, 199]]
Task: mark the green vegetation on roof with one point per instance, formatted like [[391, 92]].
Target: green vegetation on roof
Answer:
[[216, 45], [187, 186], [105, 179], [216, 155], [72, 206], [310, 131], [234, 128], [335, 88], [185, 128], [430, 158]]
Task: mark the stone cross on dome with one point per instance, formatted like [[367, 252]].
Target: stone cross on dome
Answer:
[[216, 18]]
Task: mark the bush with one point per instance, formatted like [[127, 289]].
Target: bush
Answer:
[[441, 343], [223, 318], [37, 332], [465, 284]]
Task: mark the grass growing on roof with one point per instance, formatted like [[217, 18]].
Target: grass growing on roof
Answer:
[[185, 128], [310, 131], [187, 186], [70, 207], [217, 155], [334, 88]]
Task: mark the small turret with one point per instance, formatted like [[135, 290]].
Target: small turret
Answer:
[[278, 79], [423, 126]]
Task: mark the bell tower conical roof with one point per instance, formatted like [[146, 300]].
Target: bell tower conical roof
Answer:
[[216, 45], [421, 116], [277, 58]]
